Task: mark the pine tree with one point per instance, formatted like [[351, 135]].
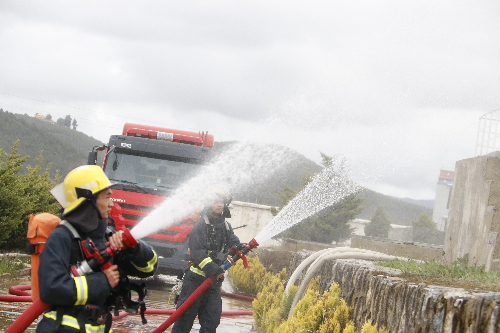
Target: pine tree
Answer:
[[424, 222], [379, 225], [67, 121]]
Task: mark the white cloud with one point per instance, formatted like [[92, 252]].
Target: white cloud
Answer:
[[396, 87]]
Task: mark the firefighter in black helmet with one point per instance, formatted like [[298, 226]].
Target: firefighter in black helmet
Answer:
[[210, 241]]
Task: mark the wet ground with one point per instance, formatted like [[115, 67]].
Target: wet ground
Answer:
[[159, 297]]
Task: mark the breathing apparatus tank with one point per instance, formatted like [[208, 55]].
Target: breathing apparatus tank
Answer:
[[39, 228]]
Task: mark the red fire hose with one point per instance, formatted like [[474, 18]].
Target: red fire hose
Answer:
[[171, 311], [189, 301], [38, 307], [12, 298], [30, 314], [21, 295], [247, 298], [27, 317], [19, 290]]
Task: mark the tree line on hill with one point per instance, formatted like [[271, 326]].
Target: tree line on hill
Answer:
[[65, 122]]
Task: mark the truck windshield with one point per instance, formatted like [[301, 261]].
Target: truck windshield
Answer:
[[154, 172]]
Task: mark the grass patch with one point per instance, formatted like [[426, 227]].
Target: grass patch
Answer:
[[13, 264], [457, 274]]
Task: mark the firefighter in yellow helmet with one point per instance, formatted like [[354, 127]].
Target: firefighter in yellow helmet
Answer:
[[210, 241], [82, 303]]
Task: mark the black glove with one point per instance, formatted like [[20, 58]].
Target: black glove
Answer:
[[212, 270]]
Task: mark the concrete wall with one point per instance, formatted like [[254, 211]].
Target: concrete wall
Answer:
[[410, 250], [358, 226], [298, 245], [402, 233], [440, 211], [249, 219], [474, 216], [391, 302], [428, 236], [380, 295]]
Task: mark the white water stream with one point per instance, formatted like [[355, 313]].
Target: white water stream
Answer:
[[238, 168], [327, 188]]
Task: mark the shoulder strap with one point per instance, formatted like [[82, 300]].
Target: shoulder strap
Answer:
[[70, 229], [210, 232], [76, 249], [205, 218]]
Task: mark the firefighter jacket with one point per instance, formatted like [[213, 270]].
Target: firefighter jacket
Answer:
[[209, 244], [62, 290]]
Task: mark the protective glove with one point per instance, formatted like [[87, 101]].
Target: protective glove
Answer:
[[212, 270], [234, 249]]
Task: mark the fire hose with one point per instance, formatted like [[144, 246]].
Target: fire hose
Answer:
[[33, 311], [96, 259], [101, 259], [199, 291], [316, 260]]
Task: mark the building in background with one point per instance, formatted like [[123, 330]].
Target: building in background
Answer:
[[40, 116], [488, 133], [443, 190]]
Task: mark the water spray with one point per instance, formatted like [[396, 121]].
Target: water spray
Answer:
[[326, 189], [237, 167]]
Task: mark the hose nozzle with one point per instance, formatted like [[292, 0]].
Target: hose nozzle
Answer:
[[253, 243], [128, 239], [96, 259], [240, 255]]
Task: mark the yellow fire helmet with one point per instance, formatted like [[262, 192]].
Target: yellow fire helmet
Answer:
[[79, 185], [218, 191]]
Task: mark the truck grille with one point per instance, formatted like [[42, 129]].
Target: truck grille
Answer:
[[166, 252], [137, 207], [129, 215]]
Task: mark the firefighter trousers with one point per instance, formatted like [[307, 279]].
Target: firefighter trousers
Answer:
[[208, 307]]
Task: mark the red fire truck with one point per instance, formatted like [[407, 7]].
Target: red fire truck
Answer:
[[145, 164]]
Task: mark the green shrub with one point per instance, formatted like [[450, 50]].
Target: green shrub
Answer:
[[24, 191]]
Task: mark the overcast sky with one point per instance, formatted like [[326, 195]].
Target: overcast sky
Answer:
[[396, 87]]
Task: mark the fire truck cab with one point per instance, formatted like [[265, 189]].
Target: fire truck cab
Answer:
[[145, 164]]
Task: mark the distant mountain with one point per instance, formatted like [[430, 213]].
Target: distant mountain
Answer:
[[264, 190], [66, 149], [424, 203], [398, 211]]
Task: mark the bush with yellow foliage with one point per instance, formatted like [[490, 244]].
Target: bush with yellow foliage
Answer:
[[315, 312]]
